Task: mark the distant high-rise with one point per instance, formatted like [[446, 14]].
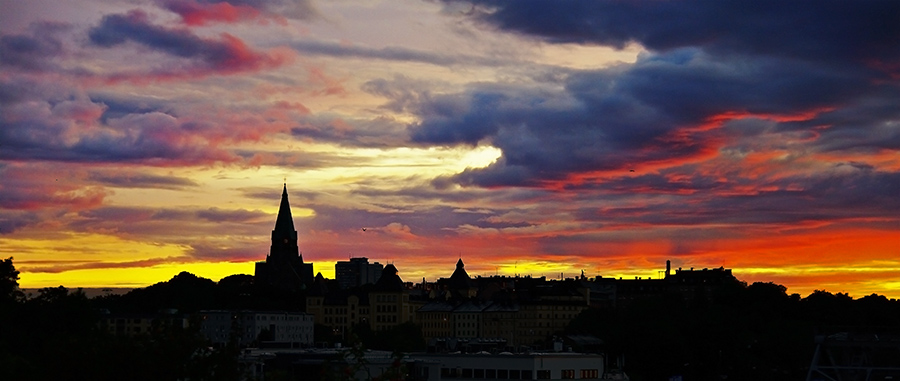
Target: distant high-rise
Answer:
[[357, 272], [284, 268]]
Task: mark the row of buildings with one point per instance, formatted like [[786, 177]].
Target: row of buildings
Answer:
[[243, 327], [369, 365], [499, 312]]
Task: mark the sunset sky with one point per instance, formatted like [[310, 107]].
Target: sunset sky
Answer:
[[141, 138]]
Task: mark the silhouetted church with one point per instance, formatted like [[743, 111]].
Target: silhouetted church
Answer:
[[284, 268]]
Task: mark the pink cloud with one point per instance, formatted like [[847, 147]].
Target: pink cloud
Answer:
[[35, 187], [195, 14], [194, 56]]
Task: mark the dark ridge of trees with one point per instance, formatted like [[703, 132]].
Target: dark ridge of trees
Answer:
[[189, 293], [58, 335], [755, 332], [185, 292]]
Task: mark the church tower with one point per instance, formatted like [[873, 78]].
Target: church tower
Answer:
[[283, 268], [284, 237]]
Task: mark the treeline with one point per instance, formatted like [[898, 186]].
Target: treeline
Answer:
[[755, 332], [57, 335]]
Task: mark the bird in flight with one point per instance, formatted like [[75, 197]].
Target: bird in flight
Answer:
[[364, 229]]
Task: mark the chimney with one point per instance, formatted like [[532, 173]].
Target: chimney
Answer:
[[668, 268]]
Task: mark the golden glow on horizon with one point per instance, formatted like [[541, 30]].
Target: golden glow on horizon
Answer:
[[67, 248], [133, 277]]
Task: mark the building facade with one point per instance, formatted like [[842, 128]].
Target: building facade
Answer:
[[293, 329], [384, 305], [144, 324], [357, 272]]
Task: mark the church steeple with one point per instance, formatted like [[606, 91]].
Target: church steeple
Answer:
[[284, 268], [284, 224], [284, 237]]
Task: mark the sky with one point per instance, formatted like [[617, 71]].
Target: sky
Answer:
[[142, 138]]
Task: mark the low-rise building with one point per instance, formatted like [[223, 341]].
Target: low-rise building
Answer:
[[384, 305], [357, 272], [343, 363], [508, 366], [294, 329], [134, 324]]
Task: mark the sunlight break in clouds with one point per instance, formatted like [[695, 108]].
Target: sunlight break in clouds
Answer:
[[143, 138]]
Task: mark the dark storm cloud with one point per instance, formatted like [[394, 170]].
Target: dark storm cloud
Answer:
[[849, 193], [706, 65], [826, 30], [870, 124]]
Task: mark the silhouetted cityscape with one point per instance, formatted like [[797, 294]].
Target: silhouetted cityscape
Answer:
[[283, 323]]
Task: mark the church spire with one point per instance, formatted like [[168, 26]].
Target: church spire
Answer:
[[284, 224], [284, 268]]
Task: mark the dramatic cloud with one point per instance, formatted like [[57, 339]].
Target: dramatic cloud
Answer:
[[36, 187], [668, 107], [31, 52], [226, 55], [70, 130], [832, 31], [199, 12], [759, 136]]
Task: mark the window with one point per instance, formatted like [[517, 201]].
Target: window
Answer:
[[567, 374], [543, 375], [589, 373]]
